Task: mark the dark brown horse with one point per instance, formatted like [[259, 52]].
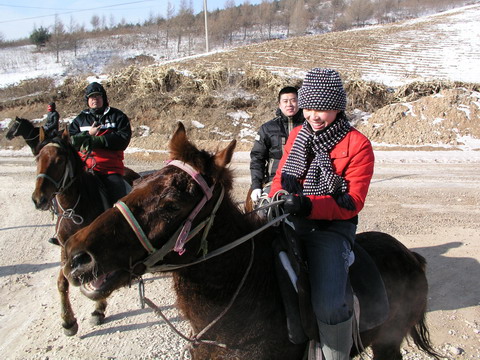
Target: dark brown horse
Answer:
[[64, 186], [254, 326], [24, 128]]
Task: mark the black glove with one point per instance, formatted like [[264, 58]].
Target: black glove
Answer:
[[299, 205], [79, 139], [94, 142]]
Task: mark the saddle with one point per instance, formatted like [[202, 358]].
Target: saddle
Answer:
[[292, 275]]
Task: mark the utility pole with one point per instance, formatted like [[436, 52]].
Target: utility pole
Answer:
[[206, 25]]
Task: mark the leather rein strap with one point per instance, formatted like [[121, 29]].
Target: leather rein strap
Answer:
[[156, 255]]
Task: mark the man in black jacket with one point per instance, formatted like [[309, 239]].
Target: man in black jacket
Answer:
[[53, 118], [268, 146], [101, 134]]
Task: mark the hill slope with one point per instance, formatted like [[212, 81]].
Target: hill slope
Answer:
[[444, 46], [229, 94]]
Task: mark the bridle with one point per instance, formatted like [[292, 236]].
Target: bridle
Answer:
[[184, 233], [67, 178], [20, 124], [61, 185]]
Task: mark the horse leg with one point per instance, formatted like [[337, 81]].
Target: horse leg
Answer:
[[405, 315], [99, 314], [70, 325], [387, 347]]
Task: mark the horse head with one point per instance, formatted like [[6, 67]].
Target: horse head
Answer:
[[109, 252], [57, 164], [16, 128]]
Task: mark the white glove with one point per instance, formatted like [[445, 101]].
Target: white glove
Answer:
[[255, 195]]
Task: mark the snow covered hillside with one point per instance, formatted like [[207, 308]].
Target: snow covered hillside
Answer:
[[445, 46]]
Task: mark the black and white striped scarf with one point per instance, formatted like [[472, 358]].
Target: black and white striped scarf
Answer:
[[320, 179]]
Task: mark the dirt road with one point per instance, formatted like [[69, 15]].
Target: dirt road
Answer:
[[433, 208]]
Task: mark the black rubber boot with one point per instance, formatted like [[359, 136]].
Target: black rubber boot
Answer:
[[53, 241]]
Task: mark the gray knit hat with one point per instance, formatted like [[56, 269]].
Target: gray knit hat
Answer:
[[322, 89]]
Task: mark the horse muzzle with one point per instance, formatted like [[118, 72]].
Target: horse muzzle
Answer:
[[41, 202]]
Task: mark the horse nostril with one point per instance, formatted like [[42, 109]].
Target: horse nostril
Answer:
[[81, 259], [39, 202]]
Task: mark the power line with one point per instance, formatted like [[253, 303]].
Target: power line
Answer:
[[31, 7], [72, 11]]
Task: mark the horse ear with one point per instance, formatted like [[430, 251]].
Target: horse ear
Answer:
[[41, 134], [180, 134], [179, 143], [65, 135], [224, 157]]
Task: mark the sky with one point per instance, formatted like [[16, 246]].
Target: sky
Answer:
[[19, 17]]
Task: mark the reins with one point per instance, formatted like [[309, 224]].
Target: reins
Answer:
[[177, 242], [196, 340]]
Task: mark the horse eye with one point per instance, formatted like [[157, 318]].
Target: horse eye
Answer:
[[171, 207]]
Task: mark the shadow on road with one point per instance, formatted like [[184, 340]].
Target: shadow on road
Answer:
[[20, 269], [453, 281]]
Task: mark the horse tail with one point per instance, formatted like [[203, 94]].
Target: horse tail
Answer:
[[420, 333], [421, 337]]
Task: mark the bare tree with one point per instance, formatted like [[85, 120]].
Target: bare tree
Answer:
[[229, 19], [266, 15], [183, 21], [337, 7], [59, 38], [95, 22], [169, 22], [299, 19], [112, 21], [285, 17], [359, 11], [383, 10], [74, 35], [245, 19], [104, 25]]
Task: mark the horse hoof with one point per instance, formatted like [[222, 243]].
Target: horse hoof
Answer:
[[72, 330], [97, 319]]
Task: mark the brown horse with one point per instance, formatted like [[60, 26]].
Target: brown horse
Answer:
[[241, 279], [64, 186], [24, 128]]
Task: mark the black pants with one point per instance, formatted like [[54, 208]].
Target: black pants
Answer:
[[115, 186]]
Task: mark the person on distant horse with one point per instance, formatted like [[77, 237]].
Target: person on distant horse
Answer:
[[326, 167], [53, 119], [101, 134], [269, 142]]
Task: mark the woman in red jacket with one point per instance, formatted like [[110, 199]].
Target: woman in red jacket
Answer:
[[326, 167]]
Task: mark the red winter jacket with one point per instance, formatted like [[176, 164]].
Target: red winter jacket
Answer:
[[353, 159]]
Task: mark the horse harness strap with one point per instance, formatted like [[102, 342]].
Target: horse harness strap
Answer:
[[219, 251], [184, 233], [137, 229], [62, 184], [208, 191]]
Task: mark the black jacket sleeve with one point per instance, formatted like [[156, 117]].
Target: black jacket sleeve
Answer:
[[259, 158], [119, 138]]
